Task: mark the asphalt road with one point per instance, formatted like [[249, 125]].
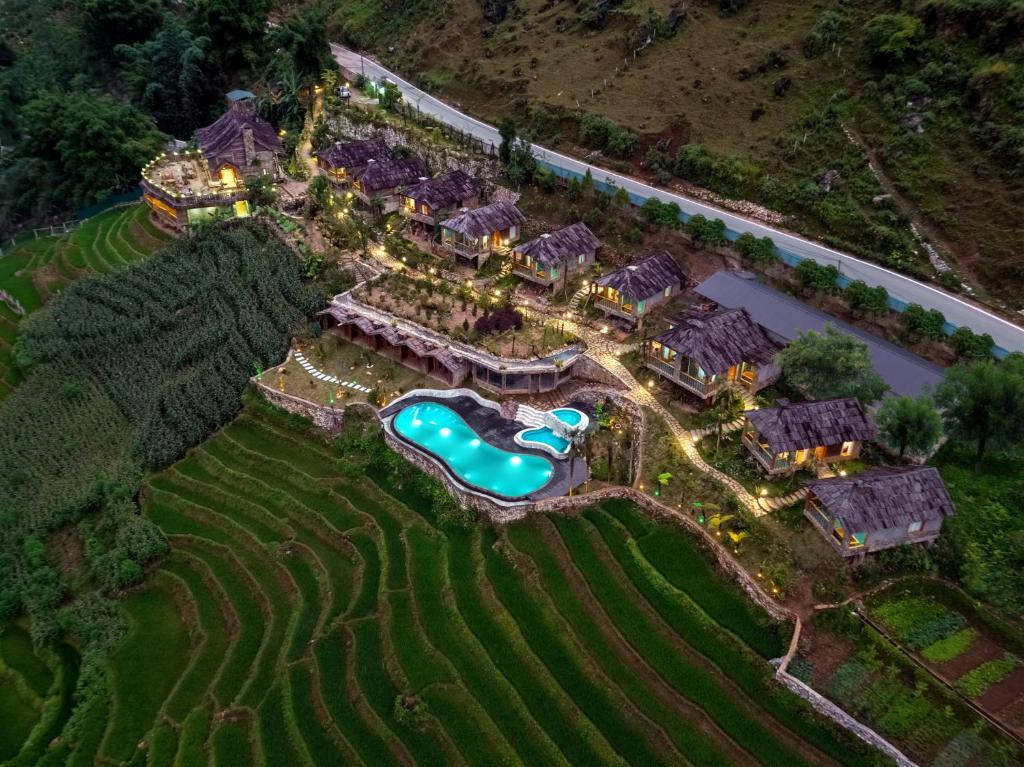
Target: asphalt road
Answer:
[[902, 289]]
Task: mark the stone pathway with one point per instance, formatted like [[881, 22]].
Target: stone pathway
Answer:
[[321, 376]]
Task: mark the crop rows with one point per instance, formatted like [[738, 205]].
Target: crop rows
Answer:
[[308, 618], [35, 269]]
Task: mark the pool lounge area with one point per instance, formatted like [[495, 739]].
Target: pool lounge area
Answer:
[[475, 445]]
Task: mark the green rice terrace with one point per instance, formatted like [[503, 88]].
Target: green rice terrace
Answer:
[[314, 610], [35, 269]]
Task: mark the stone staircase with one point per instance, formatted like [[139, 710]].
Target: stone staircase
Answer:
[[506, 268], [578, 297], [782, 501]]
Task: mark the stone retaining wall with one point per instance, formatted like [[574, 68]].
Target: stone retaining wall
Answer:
[[585, 367], [825, 707], [330, 419]]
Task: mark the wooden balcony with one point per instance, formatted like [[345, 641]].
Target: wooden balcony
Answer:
[[531, 273]]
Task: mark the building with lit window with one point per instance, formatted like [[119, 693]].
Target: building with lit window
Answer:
[[879, 509], [473, 236], [430, 200], [552, 258], [793, 436], [191, 185], [633, 291]]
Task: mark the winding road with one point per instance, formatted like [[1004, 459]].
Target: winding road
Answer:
[[903, 290]]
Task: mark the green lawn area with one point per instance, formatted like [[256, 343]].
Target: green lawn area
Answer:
[[314, 600]]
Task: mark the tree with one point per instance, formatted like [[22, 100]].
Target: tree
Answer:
[[522, 164], [889, 37], [983, 403], [507, 131], [302, 37], [969, 345], [577, 436], [706, 231], [924, 323], [172, 76], [236, 28], [831, 364], [909, 423], [818, 278], [111, 22], [87, 145], [864, 299], [757, 250], [729, 406]]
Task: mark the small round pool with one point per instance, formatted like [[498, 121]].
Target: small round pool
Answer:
[[568, 415], [545, 436], [441, 432]]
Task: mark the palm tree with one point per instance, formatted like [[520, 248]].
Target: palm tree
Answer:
[[578, 437], [729, 406]]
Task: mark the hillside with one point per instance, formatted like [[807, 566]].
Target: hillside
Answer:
[[771, 97]]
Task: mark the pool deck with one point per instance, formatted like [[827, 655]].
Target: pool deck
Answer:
[[499, 431]]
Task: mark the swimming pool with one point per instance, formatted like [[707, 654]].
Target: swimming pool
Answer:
[[443, 433], [546, 438]]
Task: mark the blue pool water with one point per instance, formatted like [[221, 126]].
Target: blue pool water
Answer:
[[442, 432], [548, 437], [568, 415]]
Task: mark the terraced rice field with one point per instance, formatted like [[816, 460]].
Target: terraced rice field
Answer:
[[309, 617], [35, 269]]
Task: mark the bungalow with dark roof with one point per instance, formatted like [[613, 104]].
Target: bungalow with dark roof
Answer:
[[879, 509], [379, 182], [794, 435], [185, 187], [239, 145], [473, 235], [706, 350], [633, 291], [430, 200], [551, 258], [340, 161]]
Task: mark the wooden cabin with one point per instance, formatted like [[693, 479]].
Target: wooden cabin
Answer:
[[239, 145], [633, 291], [879, 509], [709, 349], [341, 161], [792, 436], [473, 235], [380, 181], [550, 259], [430, 200]]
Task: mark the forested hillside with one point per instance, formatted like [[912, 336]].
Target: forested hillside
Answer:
[[90, 90], [776, 102], [128, 370]]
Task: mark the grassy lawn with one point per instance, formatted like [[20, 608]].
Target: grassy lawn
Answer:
[[314, 599], [346, 362]]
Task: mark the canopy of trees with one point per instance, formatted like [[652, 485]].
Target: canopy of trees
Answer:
[[831, 364], [909, 423], [127, 371]]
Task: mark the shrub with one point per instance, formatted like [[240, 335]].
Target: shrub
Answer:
[[500, 320], [756, 250], [661, 213], [706, 231], [924, 323], [969, 345], [891, 36], [818, 278], [864, 299], [949, 647], [599, 132], [976, 681]]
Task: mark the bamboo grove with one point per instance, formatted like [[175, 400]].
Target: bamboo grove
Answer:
[[128, 371]]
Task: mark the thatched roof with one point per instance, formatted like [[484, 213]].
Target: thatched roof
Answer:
[[480, 222], [389, 174], [569, 242], [354, 154], [420, 346], [794, 426], [646, 278], [223, 142], [444, 191], [885, 498], [717, 340]]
